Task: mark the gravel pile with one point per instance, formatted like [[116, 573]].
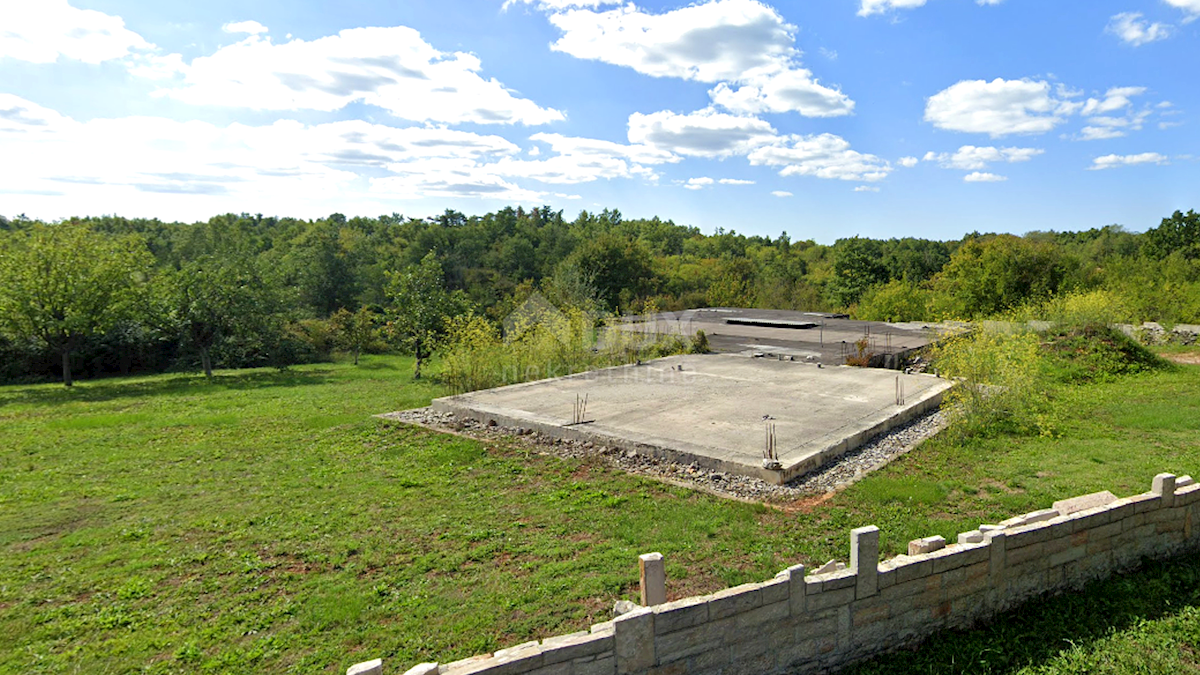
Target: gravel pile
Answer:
[[837, 475]]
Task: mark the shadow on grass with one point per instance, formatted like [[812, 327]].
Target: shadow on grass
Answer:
[[1033, 635], [151, 386]]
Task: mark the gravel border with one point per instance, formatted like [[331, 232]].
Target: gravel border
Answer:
[[837, 475]]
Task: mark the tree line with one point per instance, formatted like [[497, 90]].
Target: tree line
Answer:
[[104, 295]]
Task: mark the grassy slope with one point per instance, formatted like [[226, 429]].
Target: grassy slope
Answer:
[[164, 524]]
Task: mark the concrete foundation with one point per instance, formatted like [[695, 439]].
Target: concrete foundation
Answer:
[[813, 336], [714, 410]]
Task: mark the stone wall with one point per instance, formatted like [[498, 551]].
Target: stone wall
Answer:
[[798, 623]]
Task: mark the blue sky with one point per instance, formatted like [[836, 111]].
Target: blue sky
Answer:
[[826, 119]]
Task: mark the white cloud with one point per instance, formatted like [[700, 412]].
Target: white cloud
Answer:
[[392, 68], [26, 118], [591, 147], [42, 31], [1116, 98], [866, 188], [1113, 161], [735, 181], [970, 157], [1132, 29], [870, 7], [784, 91], [822, 156], [998, 108], [1102, 124], [743, 46], [698, 183], [983, 177], [559, 5], [251, 27], [1190, 7], [908, 162], [174, 169], [781, 193], [705, 133]]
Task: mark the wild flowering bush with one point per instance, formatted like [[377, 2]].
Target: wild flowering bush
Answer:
[[1002, 383]]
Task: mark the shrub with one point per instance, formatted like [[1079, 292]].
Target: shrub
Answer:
[[477, 356], [1002, 380]]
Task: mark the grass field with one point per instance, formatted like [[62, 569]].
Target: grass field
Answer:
[[265, 522]]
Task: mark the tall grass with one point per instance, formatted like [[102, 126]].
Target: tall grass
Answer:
[[552, 344]]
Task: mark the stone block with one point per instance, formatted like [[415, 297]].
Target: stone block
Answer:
[[864, 560], [830, 567], [834, 581], [827, 599], [1084, 502], [972, 537], [926, 545], [516, 660], [714, 659], [633, 642], [653, 573], [948, 558], [419, 669], [913, 569], [1144, 503], [563, 668], [372, 667], [734, 600], [688, 642], [515, 649], [600, 666], [796, 589], [1186, 496], [820, 624], [1164, 487], [605, 628], [869, 614], [775, 590], [575, 646], [469, 665], [1182, 482], [773, 614], [680, 614], [887, 578]]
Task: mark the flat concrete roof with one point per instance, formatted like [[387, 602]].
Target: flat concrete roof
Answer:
[[713, 409], [827, 338]]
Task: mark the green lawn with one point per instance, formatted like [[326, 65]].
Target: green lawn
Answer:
[[266, 522]]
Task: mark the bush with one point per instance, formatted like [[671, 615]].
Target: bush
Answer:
[[477, 356], [1002, 381], [1096, 353], [894, 301]]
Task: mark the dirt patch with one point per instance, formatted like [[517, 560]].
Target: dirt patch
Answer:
[[1186, 358]]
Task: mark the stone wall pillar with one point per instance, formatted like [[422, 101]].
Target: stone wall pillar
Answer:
[[864, 560], [653, 574]]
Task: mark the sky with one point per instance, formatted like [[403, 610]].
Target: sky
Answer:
[[824, 119]]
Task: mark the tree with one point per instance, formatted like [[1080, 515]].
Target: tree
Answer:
[[61, 284], [210, 299], [619, 268], [421, 304], [986, 276], [355, 331], [857, 266], [1180, 232]]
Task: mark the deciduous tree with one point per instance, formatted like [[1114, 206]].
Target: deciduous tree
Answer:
[[63, 283]]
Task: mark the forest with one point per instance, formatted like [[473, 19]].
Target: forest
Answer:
[[87, 297]]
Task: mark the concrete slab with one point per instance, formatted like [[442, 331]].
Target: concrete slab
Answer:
[[828, 338], [713, 409]]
